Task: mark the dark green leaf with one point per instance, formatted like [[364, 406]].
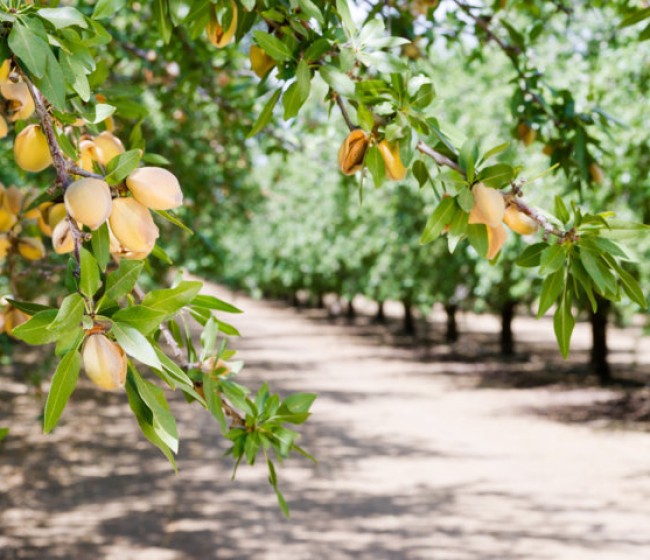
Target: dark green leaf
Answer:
[[90, 280], [121, 166], [63, 384], [266, 114], [442, 215]]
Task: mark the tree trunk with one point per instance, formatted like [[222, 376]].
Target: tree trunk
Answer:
[[351, 311], [295, 301], [452, 326], [380, 317], [320, 301], [507, 338], [599, 350], [409, 322]]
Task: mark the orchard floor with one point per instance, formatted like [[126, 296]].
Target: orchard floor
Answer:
[[425, 452]]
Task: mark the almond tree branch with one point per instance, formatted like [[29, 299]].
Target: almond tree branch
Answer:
[[61, 165]]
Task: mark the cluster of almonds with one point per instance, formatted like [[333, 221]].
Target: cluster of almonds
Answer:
[[14, 221], [490, 208], [133, 232], [353, 152]]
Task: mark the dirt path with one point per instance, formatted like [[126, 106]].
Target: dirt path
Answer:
[[413, 465]]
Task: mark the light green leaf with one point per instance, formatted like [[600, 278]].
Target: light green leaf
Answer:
[[551, 290], [30, 48], [563, 323], [172, 299], [266, 114], [143, 318], [442, 215], [123, 280], [34, 331], [90, 280], [275, 48], [69, 315], [135, 344], [107, 8], [121, 166], [63, 17]]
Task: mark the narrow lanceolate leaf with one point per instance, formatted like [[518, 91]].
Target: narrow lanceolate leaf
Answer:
[[145, 420], [100, 243], [551, 290], [163, 423], [143, 318], [107, 8], [121, 166], [123, 280], [35, 330], [64, 382], [69, 315], [211, 302], [135, 344], [630, 284], [275, 48], [90, 280], [531, 255], [172, 299], [563, 323], [63, 17], [52, 83], [30, 48], [441, 216], [266, 114]]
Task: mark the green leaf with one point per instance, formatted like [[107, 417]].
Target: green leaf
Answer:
[[421, 173], [163, 422], [135, 344], [496, 176], [143, 318], [123, 280], [100, 243], [63, 384], [144, 417], [214, 402], [52, 83], [477, 237], [552, 259], [275, 48], [165, 214], [63, 17], [211, 302], [29, 47], [563, 323], [107, 8], [300, 402], [375, 164], [69, 315], [291, 101], [598, 272], [266, 114], [339, 81], [442, 215], [635, 17], [494, 151], [312, 10], [4, 432], [561, 210], [551, 290], [121, 166], [171, 300], [346, 17], [34, 331], [160, 10], [29, 307], [531, 256], [629, 283], [90, 280]]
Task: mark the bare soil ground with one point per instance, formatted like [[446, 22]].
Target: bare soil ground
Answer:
[[426, 452]]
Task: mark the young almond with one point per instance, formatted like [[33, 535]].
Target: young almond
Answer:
[[133, 226], [62, 238], [107, 147], [89, 202], [20, 100], [353, 151], [31, 150], [518, 222], [395, 169], [219, 36], [104, 362], [156, 188], [489, 206]]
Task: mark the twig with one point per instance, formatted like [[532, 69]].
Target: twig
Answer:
[[441, 159], [344, 111]]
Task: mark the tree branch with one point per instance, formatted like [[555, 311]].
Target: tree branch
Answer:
[[344, 111]]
